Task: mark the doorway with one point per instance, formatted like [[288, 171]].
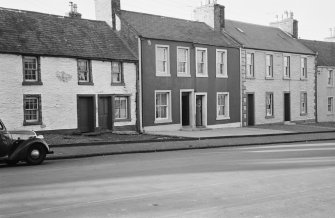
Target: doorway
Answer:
[[287, 107], [86, 113], [199, 111], [251, 110], [105, 113], [185, 111]]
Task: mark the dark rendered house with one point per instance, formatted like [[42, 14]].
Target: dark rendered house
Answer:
[[189, 72]]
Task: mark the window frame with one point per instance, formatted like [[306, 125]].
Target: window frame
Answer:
[[269, 66], [128, 105], [205, 74], [89, 69], [38, 80], [288, 67], [303, 100], [331, 105], [303, 68], [225, 64], [267, 116], [187, 73], [121, 83], [250, 67], [168, 119], [227, 106], [330, 78], [167, 73], [39, 110]]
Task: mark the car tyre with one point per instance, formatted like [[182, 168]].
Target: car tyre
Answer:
[[36, 154]]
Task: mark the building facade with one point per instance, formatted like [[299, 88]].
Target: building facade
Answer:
[[57, 74], [325, 78], [189, 72]]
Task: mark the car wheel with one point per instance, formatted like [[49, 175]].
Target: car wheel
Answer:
[[36, 154]]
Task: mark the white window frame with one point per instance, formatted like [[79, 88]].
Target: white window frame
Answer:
[[205, 74], [225, 63], [167, 73], [169, 107], [271, 104], [331, 105], [227, 110], [288, 66], [120, 98], [303, 100], [251, 65], [330, 78], [35, 70], [187, 73], [303, 68], [269, 66]]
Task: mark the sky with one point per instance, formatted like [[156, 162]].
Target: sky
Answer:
[[315, 17]]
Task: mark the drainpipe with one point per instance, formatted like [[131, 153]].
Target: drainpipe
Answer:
[[241, 89], [140, 105], [316, 87]]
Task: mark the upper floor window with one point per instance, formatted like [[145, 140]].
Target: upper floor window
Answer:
[[303, 63], [269, 66], [250, 65], [303, 103], [84, 72], [32, 109], [330, 104], [222, 105], [162, 60], [330, 78], [201, 57], [221, 63], [269, 104], [31, 71], [287, 67], [183, 61], [117, 74]]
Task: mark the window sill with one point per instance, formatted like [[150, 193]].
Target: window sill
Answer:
[[183, 75], [122, 120], [86, 83], [303, 79], [118, 84], [163, 121], [269, 117], [37, 83], [286, 78], [269, 78], [303, 114], [163, 75], [221, 76], [251, 78], [202, 75], [222, 118], [32, 123]]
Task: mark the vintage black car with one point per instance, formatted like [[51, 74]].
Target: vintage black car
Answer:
[[22, 145]]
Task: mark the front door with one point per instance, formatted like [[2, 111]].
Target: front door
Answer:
[[287, 107], [105, 113], [86, 114], [185, 101], [199, 118], [251, 110]]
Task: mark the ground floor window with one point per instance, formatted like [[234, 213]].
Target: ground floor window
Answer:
[[222, 105], [32, 109], [330, 104], [303, 103], [121, 107], [269, 105], [163, 105]]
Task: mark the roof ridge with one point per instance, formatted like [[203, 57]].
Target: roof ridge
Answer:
[[253, 24], [46, 14]]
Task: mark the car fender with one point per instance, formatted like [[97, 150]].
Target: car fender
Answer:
[[21, 151]]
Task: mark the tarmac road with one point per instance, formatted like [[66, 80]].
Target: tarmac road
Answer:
[[288, 180]]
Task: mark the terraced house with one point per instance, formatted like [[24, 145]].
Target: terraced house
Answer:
[[64, 73], [190, 72], [325, 78], [278, 72]]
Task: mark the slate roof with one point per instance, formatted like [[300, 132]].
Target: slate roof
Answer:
[[325, 50], [255, 36], [167, 28], [26, 32]]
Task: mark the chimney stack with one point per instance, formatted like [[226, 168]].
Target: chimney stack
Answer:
[[74, 11], [212, 14], [332, 35], [288, 24], [109, 11]]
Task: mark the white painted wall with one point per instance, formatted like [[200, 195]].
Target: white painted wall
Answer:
[[59, 98], [325, 91], [260, 85]]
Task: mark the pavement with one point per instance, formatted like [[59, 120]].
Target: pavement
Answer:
[[227, 137]]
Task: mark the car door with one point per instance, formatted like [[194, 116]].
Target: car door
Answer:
[[5, 140]]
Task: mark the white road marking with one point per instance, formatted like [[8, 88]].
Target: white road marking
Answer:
[[288, 146], [290, 150]]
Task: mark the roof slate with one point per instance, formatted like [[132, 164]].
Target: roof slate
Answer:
[[167, 28], [26, 32], [325, 50], [255, 36]]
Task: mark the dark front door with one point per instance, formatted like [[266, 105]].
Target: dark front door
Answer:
[[287, 107], [105, 113], [199, 111], [185, 109], [251, 110], [86, 114]]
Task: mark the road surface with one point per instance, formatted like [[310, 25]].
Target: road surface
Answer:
[[289, 180]]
